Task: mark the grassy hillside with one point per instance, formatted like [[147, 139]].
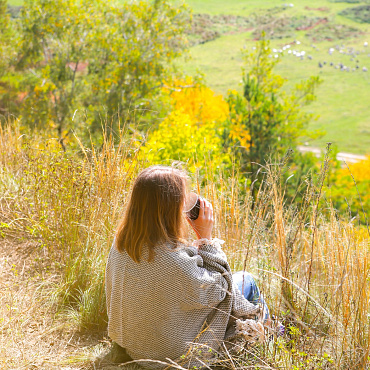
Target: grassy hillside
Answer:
[[342, 104], [58, 214]]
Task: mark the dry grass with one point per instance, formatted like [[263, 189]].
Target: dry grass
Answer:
[[31, 334], [58, 212]]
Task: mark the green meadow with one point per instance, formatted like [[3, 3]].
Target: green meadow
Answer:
[[342, 104], [342, 107]]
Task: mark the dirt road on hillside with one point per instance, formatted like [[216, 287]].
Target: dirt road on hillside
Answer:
[[344, 157]]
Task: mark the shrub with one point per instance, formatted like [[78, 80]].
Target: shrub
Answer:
[[359, 13], [69, 203], [191, 132], [352, 184], [312, 266], [265, 121]]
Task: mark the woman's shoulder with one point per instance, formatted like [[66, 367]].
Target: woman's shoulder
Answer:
[[181, 261], [179, 251]]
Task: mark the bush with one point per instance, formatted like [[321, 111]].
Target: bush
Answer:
[[192, 131], [359, 13], [331, 31], [312, 266], [68, 202], [265, 121], [349, 189], [7, 54]]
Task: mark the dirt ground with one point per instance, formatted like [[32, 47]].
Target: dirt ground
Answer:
[[32, 336]]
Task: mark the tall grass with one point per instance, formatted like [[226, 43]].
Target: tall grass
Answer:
[[70, 203], [312, 265]]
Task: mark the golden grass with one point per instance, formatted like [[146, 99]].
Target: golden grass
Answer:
[[31, 337], [312, 265]]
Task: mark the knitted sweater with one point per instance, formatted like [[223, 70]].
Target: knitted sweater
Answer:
[[157, 309]]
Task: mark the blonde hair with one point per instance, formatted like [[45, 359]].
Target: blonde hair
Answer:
[[154, 212]]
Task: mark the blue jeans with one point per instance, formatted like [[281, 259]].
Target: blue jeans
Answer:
[[250, 291]]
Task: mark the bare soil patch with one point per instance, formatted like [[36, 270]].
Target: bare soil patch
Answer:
[[321, 9], [206, 28], [31, 334], [331, 32]]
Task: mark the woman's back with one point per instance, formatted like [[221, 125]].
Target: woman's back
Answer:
[[156, 309], [160, 299]]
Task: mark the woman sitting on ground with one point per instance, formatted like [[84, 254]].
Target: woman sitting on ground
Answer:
[[163, 295]]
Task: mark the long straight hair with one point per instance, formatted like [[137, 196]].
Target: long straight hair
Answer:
[[154, 213]]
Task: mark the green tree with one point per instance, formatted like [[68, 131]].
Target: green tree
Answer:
[[5, 35], [132, 65], [95, 57], [7, 53], [266, 121]]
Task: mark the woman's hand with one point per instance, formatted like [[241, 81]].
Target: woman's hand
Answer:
[[203, 225]]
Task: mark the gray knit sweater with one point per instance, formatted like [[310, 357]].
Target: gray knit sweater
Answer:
[[157, 309]]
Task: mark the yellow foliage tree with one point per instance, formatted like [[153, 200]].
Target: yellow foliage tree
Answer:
[[358, 197], [359, 170], [192, 131], [199, 102]]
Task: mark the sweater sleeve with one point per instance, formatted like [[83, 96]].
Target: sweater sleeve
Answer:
[[213, 257], [207, 277], [242, 308]]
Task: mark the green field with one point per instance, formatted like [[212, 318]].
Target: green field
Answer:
[[343, 99], [343, 103]]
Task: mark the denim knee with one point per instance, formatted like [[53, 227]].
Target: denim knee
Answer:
[[247, 286]]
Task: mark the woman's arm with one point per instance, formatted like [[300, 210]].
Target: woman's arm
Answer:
[[205, 276], [210, 280], [242, 308], [215, 262], [213, 255]]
